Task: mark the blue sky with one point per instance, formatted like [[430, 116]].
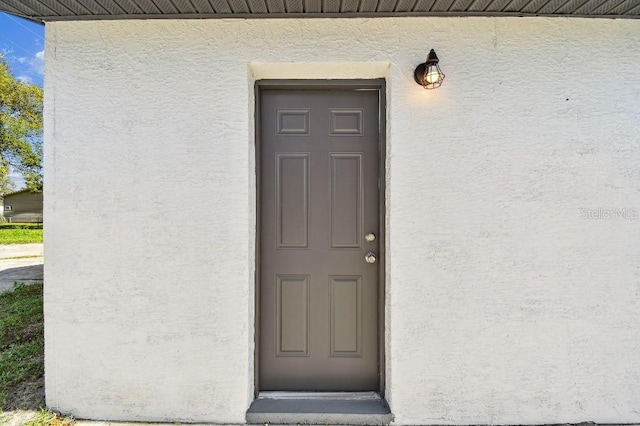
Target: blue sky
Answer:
[[22, 43]]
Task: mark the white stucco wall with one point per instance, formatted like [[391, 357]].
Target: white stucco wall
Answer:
[[506, 302]]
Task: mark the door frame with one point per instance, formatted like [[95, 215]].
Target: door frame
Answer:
[[325, 85]]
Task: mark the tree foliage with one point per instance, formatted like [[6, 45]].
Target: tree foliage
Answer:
[[20, 130]]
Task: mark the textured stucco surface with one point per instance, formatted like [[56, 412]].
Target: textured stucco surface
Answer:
[[507, 301]]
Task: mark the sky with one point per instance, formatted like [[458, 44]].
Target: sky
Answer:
[[22, 43]]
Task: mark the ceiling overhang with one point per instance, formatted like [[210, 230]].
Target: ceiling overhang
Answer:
[[56, 10]]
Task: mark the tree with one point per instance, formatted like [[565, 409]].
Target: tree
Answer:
[[20, 130]]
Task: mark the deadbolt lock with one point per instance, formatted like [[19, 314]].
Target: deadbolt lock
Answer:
[[370, 237], [370, 257]]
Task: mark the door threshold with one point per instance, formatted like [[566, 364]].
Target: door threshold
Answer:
[[319, 395], [319, 408]]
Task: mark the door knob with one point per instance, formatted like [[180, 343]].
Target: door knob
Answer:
[[370, 257], [370, 237]]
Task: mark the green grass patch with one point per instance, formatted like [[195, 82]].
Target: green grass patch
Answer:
[[20, 235], [20, 226], [21, 348]]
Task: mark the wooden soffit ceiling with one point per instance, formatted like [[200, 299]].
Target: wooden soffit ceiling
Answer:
[[52, 10]]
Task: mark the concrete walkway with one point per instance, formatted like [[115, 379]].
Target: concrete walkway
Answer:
[[20, 263]]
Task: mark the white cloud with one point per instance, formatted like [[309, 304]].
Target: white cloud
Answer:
[[24, 79], [37, 63], [16, 177], [21, 60]]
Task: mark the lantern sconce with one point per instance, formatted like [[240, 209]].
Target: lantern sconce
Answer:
[[429, 75]]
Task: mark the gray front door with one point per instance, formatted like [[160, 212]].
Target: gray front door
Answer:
[[318, 214]]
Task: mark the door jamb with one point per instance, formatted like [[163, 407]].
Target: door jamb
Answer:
[[372, 84]]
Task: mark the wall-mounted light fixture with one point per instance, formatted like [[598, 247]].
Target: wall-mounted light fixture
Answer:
[[429, 75]]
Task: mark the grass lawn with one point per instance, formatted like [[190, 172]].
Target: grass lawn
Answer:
[[21, 348], [16, 233], [22, 359]]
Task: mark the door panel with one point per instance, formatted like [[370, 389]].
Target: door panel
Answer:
[[346, 200], [292, 313], [346, 315], [318, 199], [292, 200]]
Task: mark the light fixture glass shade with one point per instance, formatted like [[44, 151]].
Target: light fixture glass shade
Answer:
[[432, 76], [429, 75]]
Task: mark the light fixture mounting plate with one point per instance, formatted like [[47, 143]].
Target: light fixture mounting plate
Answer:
[[418, 74]]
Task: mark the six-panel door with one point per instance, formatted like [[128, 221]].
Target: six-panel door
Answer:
[[319, 198]]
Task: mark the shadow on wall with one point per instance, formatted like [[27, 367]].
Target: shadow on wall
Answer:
[[27, 274]]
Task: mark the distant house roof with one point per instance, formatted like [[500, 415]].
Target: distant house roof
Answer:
[[17, 192], [52, 10]]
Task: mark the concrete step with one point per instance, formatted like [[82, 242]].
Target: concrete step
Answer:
[[319, 409]]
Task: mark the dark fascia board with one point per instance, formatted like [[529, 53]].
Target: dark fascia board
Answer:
[[80, 10], [44, 19]]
